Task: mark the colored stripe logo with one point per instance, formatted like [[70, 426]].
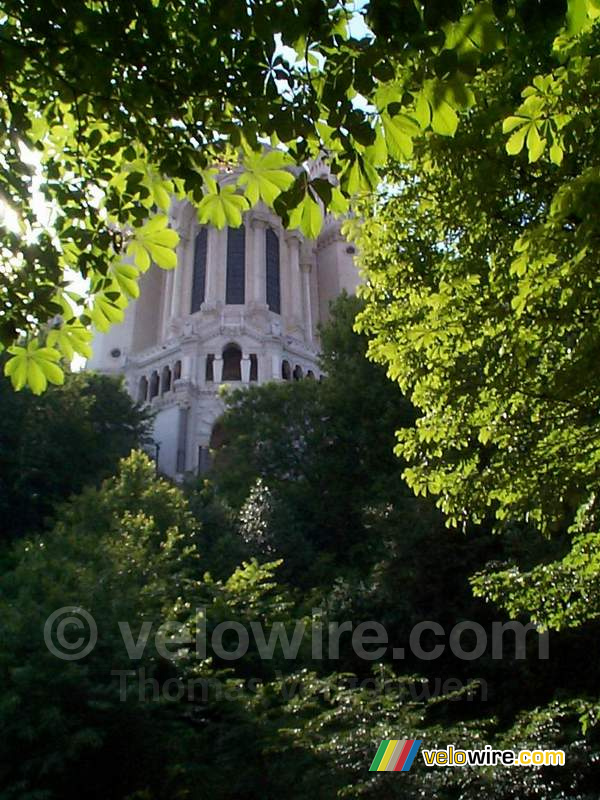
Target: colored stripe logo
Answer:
[[395, 755]]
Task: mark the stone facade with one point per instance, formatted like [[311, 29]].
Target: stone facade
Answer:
[[242, 306]]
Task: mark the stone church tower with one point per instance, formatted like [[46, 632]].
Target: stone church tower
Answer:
[[242, 306]]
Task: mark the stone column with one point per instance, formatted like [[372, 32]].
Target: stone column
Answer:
[[294, 309], [167, 303], [184, 256], [218, 265], [259, 261], [188, 361], [276, 367], [245, 369], [308, 324], [218, 369], [210, 292]]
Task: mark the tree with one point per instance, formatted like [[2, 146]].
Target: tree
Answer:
[[302, 462], [482, 301], [106, 725], [54, 445], [311, 470], [132, 552], [127, 104]]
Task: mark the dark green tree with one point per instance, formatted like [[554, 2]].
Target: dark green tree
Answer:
[[54, 445], [292, 454], [114, 724]]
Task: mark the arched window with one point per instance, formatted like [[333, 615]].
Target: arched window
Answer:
[[165, 380], [310, 375], [232, 363], [143, 389], [286, 371], [154, 383], [235, 290], [177, 371], [273, 281], [298, 373], [209, 374], [199, 276], [253, 367]]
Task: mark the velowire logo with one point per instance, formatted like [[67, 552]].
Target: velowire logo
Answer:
[[395, 755]]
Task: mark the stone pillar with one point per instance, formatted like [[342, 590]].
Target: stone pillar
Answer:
[[210, 292], [184, 257], [245, 369], [308, 324], [186, 368], [276, 367], [218, 265], [258, 263], [294, 309], [167, 304], [218, 368]]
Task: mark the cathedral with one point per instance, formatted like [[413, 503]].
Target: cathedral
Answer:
[[242, 307]]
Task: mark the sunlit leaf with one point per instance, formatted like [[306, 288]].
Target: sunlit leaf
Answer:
[[154, 241], [223, 207], [33, 366], [264, 176]]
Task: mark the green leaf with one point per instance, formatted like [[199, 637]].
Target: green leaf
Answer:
[[308, 216], [515, 143], [105, 312], [159, 189], [444, 119], [33, 366], [422, 112], [377, 153], [399, 131], [126, 277], [71, 339], [355, 178], [556, 153], [535, 144], [510, 123], [222, 207], [154, 241], [264, 176], [339, 204], [577, 16]]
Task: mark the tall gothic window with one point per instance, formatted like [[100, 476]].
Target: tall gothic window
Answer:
[[199, 277], [154, 385], [273, 285], [253, 367], [236, 266], [165, 380], [143, 389], [232, 363], [209, 371]]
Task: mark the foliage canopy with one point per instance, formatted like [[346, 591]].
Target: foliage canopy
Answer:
[[125, 105], [482, 300]]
